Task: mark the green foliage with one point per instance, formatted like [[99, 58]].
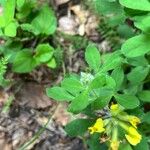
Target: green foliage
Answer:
[[21, 23], [78, 127], [136, 46], [92, 57], [139, 5]]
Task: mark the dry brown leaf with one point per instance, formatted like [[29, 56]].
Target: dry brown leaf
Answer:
[[61, 115], [33, 95]]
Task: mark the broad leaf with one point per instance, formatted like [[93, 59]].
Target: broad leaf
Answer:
[[143, 145], [125, 146], [11, 29], [138, 74], [9, 11], [144, 24], [146, 118], [52, 63], [24, 62], [20, 3], [92, 57], [78, 127], [111, 61], [127, 101], [118, 76], [94, 143], [72, 85], [59, 94], [103, 99], [138, 61], [144, 96], [98, 82], [44, 53], [79, 103], [45, 22], [136, 46], [138, 5]]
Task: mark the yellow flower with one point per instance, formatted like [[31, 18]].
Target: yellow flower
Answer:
[[114, 145], [134, 121], [97, 127], [114, 107], [133, 136]]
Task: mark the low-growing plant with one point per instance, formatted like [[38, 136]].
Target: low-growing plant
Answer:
[[26, 27], [114, 93]]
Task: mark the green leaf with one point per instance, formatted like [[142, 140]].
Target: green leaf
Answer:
[[20, 3], [44, 53], [72, 85], [94, 143], [110, 82], [45, 22], [125, 31], [105, 96], [118, 76], [143, 24], [127, 101], [9, 11], [136, 46], [98, 82], [138, 5], [24, 62], [79, 103], [144, 96], [11, 29], [59, 94], [125, 146], [143, 145], [111, 61], [108, 8], [2, 21], [146, 118], [52, 63], [78, 127], [138, 74], [92, 57], [138, 61]]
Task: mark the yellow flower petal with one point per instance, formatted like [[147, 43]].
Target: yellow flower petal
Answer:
[[114, 145], [134, 121], [114, 107], [133, 131], [133, 140], [133, 136], [97, 127]]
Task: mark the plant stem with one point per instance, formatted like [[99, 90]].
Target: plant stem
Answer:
[[37, 135]]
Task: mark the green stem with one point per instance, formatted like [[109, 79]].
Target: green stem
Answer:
[[37, 135]]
